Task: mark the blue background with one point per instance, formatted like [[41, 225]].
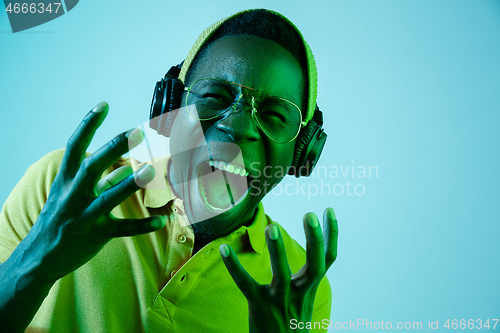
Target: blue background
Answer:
[[410, 87]]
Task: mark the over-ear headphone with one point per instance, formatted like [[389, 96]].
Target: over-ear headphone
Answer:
[[167, 98], [166, 102]]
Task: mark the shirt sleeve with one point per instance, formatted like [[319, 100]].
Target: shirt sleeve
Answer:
[[26, 201]]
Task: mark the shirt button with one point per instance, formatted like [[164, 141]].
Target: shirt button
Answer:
[[181, 238], [173, 273]]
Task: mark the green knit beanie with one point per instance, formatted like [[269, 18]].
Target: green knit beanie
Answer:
[[312, 74]]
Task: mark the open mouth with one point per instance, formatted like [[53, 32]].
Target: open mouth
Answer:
[[221, 184]]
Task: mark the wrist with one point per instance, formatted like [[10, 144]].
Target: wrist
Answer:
[[28, 265], [22, 288]]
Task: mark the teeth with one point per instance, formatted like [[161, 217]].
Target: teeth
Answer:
[[228, 167]]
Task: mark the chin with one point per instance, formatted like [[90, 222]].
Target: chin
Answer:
[[220, 190]]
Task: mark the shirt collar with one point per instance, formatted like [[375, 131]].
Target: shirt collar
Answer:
[[256, 229]]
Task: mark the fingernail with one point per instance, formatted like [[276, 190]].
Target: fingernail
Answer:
[[273, 232], [312, 220], [102, 186], [146, 173], [158, 222], [332, 216], [100, 107], [134, 136], [224, 250], [331, 212]]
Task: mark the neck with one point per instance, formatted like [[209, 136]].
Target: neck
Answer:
[[204, 235]]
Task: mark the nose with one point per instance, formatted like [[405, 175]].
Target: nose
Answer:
[[239, 124]]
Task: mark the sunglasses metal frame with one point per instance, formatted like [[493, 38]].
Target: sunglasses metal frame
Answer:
[[254, 109]]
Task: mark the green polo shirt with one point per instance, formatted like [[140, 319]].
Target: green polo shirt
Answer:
[[150, 282]]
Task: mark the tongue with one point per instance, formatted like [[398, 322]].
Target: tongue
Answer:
[[222, 189], [215, 190]]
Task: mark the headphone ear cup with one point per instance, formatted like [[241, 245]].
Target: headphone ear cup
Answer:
[[156, 104], [308, 148], [301, 145], [165, 105]]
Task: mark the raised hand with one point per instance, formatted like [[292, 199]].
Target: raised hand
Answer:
[[75, 222], [288, 296]]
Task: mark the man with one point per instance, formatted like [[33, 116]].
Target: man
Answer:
[[249, 84]]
